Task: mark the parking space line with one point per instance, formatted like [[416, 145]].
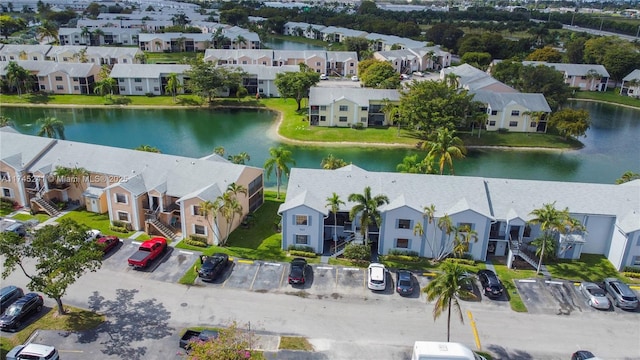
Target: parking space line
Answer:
[[254, 277], [553, 282], [336, 283], [246, 261], [324, 268], [186, 252], [281, 278], [526, 281], [351, 269], [271, 264]]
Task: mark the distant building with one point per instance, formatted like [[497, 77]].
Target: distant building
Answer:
[[590, 77]]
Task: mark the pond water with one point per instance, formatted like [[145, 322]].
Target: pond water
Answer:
[[611, 146], [279, 44]]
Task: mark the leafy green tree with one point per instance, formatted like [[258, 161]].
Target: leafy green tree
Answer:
[[73, 175], [278, 161], [410, 164], [547, 54], [9, 25], [51, 127], [230, 208], [359, 45], [480, 60], [595, 49], [551, 221], [173, 85], [241, 158], [570, 122], [48, 30], [331, 162], [446, 34], [93, 10], [296, 85], [333, 203], [445, 145], [628, 176], [105, 87], [207, 80], [148, 148], [575, 49], [241, 92], [61, 253], [445, 289], [357, 252], [534, 79], [232, 343], [367, 207], [380, 75], [620, 61], [17, 77], [210, 211]]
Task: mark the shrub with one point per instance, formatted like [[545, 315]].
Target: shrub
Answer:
[[631, 269], [503, 131], [461, 261], [357, 126], [303, 248], [195, 240], [634, 275], [306, 254], [404, 252], [402, 258], [119, 229], [357, 252]]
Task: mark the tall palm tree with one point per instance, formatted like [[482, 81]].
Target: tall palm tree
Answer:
[[105, 87], [241, 158], [173, 85], [367, 206], [209, 210], [392, 113], [452, 80], [445, 289], [47, 29], [331, 162], [551, 221], [51, 127], [240, 40], [333, 203], [235, 189], [218, 38], [230, 208], [278, 161], [429, 212], [447, 146], [95, 37], [16, 76], [85, 33], [464, 236], [446, 226]]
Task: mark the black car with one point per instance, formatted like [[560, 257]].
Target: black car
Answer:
[[491, 285], [297, 274], [8, 295], [404, 282], [20, 310], [582, 355], [213, 266]]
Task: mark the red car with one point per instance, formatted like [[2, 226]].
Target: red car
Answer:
[[108, 243]]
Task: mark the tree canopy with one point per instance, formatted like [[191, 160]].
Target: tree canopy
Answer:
[[570, 122], [380, 75], [296, 85], [62, 255], [207, 80]]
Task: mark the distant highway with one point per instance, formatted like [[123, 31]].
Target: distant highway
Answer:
[[594, 32]]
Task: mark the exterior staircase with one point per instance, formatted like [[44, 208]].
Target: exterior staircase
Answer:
[[523, 254], [342, 245], [46, 206], [163, 229]]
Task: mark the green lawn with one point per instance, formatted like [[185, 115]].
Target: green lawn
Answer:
[[612, 95], [295, 343], [95, 221], [170, 58], [74, 320], [590, 267], [95, 100], [519, 140], [507, 276], [25, 217]]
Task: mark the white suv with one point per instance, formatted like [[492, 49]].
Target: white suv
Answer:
[[33, 352], [377, 279]]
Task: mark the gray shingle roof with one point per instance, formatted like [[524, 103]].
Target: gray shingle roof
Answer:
[[112, 51], [56, 50], [21, 148], [153, 71], [43, 68], [16, 49], [263, 72], [571, 69], [360, 96], [498, 101], [634, 75]]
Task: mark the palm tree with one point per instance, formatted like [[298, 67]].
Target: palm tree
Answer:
[[229, 209], [331, 162], [105, 87], [279, 161], [235, 189], [551, 221], [240, 40], [445, 289], [16, 76], [95, 37], [86, 34], [411, 165], [333, 203], [392, 113], [430, 214], [447, 146], [148, 148], [141, 58], [627, 176], [446, 226], [592, 75], [367, 207], [452, 80], [47, 29], [51, 127], [209, 210], [218, 38], [173, 85], [219, 150], [464, 236], [241, 158], [73, 175]]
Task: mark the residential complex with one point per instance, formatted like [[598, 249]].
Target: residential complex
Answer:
[[58, 78], [497, 210], [631, 84], [349, 107], [590, 77], [156, 193]]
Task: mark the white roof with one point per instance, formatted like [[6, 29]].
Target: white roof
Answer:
[[634, 75], [442, 350], [18, 150], [153, 71], [499, 101], [571, 69], [43, 68], [360, 96]]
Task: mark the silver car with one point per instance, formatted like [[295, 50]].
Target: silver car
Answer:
[[623, 296], [596, 296]]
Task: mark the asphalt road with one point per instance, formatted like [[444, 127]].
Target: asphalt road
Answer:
[[341, 318]]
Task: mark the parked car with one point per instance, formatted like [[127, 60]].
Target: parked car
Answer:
[[213, 266], [8, 295], [324, 77], [20, 310], [491, 285], [404, 77], [93, 234], [377, 277], [418, 73], [193, 335], [108, 243], [33, 352], [298, 271], [9, 225], [404, 282], [623, 296], [596, 296], [147, 252], [355, 78], [583, 355]]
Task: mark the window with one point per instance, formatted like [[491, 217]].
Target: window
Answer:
[[527, 231], [364, 108], [494, 112], [363, 119], [200, 230], [42, 87], [58, 78], [404, 224], [138, 80], [121, 198], [35, 58], [124, 61], [635, 261], [513, 123], [195, 210], [138, 88], [155, 88], [344, 108], [76, 88], [402, 243], [515, 112], [260, 82], [342, 119], [244, 62], [6, 192], [323, 118], [64, 59], [318, 63], [533, 124], [637, 242], [302, 220], [302, 239], [121, 80], [122, 89], [492, 123], [123, 216], [323, 108], [59, 87], [75, 79], [352, 64], [4, 176]]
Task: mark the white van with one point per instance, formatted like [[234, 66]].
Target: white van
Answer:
[[431, 350]]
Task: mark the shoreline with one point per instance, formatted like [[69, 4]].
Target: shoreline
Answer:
[[605, 102]]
